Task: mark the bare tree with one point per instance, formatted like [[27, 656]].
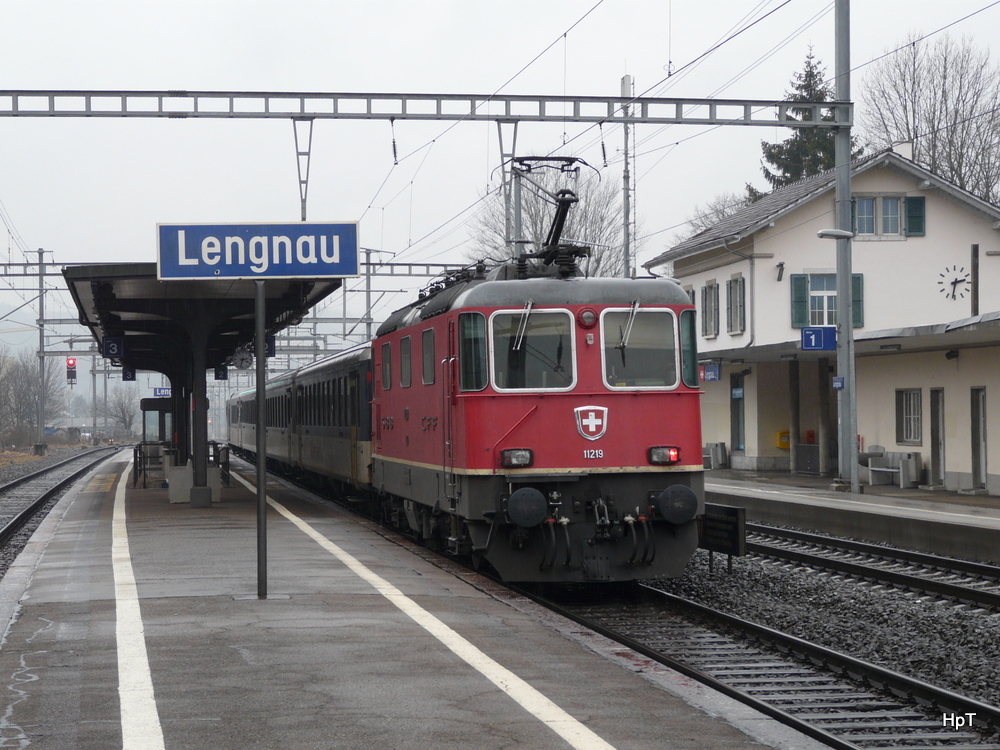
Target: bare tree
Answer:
[[945, 99], [7, 362], [123, 406], [23, 397], [596, 220]]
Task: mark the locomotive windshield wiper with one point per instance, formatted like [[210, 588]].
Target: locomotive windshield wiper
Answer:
[[522, 327], [626, 331]]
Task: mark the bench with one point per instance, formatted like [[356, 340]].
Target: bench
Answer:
[[894, 467]]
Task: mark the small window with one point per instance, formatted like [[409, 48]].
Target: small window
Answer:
[[471, 351], [909, 420], [823, 300], [890, 216], [386, 366], [865, 217], [404, 362], [428, 360]]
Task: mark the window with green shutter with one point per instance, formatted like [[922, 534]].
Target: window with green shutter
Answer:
[[916, 221], [818, 306]]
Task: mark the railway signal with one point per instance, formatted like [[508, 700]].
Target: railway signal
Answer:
[[71, 370]]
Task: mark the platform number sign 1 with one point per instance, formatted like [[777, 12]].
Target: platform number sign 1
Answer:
[[819, 338]]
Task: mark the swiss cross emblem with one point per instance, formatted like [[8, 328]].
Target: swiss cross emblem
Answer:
[[591, 421]]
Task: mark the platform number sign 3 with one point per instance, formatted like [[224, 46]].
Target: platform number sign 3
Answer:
[[114, 346]]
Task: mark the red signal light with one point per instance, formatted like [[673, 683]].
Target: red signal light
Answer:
[[71, 361]]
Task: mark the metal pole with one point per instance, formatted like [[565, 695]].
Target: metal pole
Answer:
[[847, 452], [368, 293], [93, 395], [260, 348], [40, 444], [626, 204]]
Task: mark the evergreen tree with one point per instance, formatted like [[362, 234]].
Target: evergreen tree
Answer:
[[807, 151]]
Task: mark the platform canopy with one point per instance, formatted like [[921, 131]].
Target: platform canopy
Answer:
[[182, 328], [161, 322]]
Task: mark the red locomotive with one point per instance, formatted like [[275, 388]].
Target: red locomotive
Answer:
[[540, 421]]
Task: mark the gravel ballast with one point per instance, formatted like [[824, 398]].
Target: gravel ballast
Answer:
[[934, 641]]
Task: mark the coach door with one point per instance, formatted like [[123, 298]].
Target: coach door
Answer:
[[353, 407], [300, 410]]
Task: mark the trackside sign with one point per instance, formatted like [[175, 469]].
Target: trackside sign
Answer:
[[256, 251]]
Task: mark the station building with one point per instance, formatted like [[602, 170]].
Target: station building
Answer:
[[926, 321]]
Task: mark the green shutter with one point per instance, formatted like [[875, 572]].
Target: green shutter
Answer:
[[858, 300], [916, 223], [800, 299]]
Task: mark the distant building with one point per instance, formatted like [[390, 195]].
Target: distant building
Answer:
[[926, 318]]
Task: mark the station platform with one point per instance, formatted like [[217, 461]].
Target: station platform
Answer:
[[135, 623], [935, 521]]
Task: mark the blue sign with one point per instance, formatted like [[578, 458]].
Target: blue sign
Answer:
[[161, 392], [710, 372], [128, 373], [257, 251], [114, 346], [819, 338], [838, 383]]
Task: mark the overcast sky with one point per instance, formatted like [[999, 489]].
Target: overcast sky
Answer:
[[94, 190]]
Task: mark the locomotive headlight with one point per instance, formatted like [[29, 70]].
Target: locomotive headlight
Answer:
[[664, 454], [516, 458]]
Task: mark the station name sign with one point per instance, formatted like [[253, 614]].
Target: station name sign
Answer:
[[257, 251]]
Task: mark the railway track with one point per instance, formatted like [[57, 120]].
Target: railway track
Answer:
[[836, 699], [25, 496], [958, 581]]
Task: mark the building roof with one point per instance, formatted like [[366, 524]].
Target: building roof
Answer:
[[782, 201]]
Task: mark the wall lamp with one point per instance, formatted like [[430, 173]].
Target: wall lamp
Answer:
[[745, 372], [781, 270], [951, 354], [834, 234]]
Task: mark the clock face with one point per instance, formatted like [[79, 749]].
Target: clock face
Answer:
[[242, 359], [954, 282]]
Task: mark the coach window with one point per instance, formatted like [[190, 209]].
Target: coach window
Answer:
[[639, 348], [404, 362], [428, 364], [533, 349], [386, 366], [471, 351]]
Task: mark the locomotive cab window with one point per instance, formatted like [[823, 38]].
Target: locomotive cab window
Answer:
[[640, 348], [533, 350], [471, 352]]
